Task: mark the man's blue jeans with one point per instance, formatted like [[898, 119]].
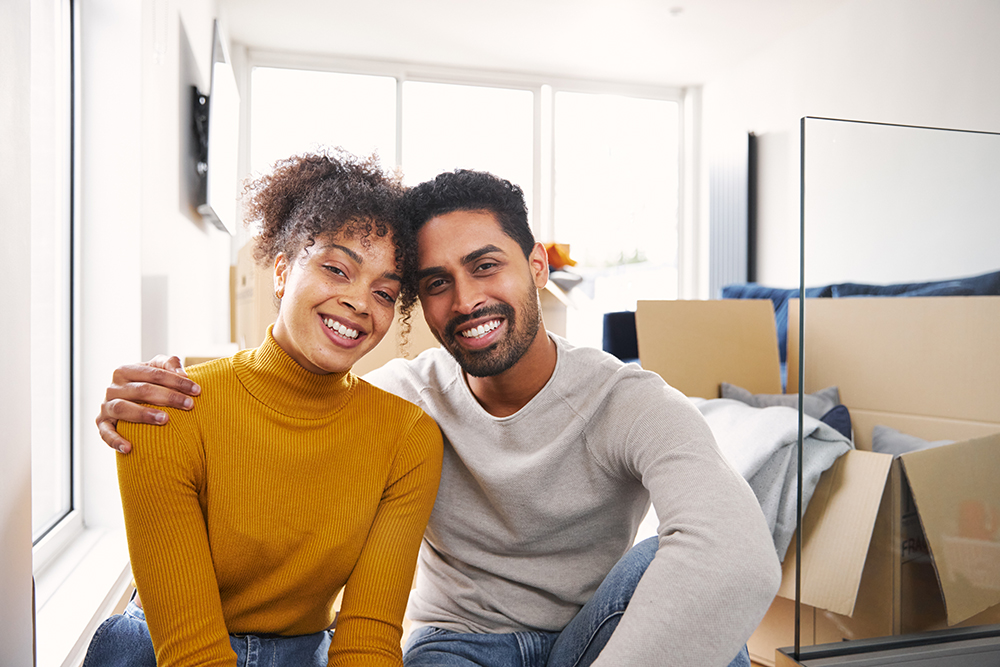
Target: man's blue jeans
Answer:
[[123, 641], [578, 645]]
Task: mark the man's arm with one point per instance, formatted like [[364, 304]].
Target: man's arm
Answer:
[[159, 381], [716, 570]]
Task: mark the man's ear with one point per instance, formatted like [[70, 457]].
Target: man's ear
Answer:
[[538, 260], [281, 268]]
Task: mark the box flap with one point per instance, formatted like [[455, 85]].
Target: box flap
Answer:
[[957, 494], [836, 532], [697, 345]]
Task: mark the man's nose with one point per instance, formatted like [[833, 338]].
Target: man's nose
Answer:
[[469, 295]]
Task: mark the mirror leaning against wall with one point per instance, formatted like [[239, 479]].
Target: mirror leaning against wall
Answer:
[[900, 553]]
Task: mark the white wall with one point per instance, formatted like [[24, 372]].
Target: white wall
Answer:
[[15, 410], [133, 222], [185, 261], [918, 62], [894, 203]]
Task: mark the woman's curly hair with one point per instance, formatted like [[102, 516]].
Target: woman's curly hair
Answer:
[[330, 192]]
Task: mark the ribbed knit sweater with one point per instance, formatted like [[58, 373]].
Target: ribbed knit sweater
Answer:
[[536, 508], [249, 514]]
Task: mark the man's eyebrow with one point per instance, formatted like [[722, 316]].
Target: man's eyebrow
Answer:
[[471, 257], [476, 254]]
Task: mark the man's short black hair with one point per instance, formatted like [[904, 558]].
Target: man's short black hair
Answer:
[[466, 190]]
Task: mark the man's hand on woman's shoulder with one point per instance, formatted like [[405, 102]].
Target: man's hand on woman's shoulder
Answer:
[[160, 381]]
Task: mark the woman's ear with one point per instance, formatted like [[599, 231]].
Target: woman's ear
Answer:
[[281, 268], [538, 260]]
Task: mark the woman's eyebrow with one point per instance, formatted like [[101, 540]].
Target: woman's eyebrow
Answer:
[[391, 275], [347, 251]]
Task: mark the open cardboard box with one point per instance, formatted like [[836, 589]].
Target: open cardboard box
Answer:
[[888, 546]]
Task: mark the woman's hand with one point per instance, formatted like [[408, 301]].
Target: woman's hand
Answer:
[[159, 381]]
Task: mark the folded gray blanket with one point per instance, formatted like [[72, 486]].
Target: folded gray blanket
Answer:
[[761, 443]]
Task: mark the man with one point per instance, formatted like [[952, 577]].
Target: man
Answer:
[[552, 455]]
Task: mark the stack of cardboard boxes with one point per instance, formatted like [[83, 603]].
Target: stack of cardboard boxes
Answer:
[[889, 546]]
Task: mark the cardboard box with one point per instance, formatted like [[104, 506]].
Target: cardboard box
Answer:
[[255, 304], [884, 550]]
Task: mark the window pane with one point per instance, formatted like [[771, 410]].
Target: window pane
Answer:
[[448, 126], [294, 111], [51, 287], [616, 202]]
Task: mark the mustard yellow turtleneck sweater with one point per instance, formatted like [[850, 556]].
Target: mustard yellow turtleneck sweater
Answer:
[[249, 513]]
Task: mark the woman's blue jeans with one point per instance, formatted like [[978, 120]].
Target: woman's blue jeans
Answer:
[[578, 645], [123, 641]]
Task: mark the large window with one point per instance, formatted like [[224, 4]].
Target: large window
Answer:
[[616, 202], [449, 126], [298, 110], [599, 169], [52, 284]]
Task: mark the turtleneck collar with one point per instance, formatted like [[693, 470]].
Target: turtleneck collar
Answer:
[[275, 379]]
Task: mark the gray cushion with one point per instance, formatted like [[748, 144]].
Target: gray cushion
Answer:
[[815, 405], [887, 440]]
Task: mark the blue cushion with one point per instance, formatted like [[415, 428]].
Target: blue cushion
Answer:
[[945, 288], [982, 285], [840, 419], [620, 338]]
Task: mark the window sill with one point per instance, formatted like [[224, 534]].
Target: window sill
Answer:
[[76, 591]]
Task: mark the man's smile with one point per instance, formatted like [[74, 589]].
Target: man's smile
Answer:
[[481, 330]]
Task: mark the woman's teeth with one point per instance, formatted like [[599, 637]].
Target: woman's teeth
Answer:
[[340, 328], [481, 330]]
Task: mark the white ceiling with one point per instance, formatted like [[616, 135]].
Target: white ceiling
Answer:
[[660, 42]]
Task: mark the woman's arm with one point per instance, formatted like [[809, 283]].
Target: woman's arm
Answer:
[[168, 544], [369, 627]]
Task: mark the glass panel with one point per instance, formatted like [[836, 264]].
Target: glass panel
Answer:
[[911, 213], [294, 111], [448, 126], [616, 202], [51, 290]]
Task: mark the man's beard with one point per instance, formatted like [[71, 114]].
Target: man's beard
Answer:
[[507, 351]]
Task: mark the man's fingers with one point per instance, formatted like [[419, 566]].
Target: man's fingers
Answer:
[[168, 364], [118, 409], [111, 437], [159, 382], [132, 382], [157, 395]]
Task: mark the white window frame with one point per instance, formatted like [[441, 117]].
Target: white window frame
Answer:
[[543, 88], [56, 87], [80, 566]]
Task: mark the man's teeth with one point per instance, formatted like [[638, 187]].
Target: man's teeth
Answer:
[[481, 330], [340, 328]]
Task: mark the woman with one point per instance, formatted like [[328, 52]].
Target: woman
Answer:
[[293, 478]]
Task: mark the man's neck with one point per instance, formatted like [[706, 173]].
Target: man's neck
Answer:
[[504, 394]]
